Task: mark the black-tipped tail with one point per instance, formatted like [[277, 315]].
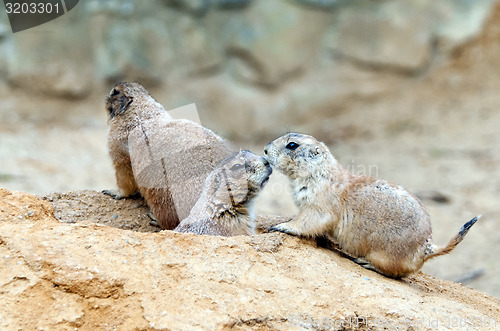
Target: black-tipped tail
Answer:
[[436, 251], [466, 227]]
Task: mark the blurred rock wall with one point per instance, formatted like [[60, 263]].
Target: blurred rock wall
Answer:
[[252, 66]]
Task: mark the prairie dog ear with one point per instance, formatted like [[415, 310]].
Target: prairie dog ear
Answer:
[[313, 152], [117, 103], [322, 149]]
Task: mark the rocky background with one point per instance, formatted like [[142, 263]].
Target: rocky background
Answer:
[[404, 90], [272, 64]]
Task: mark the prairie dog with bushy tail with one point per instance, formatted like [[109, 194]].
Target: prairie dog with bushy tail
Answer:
[[380, 225], [166, 160]]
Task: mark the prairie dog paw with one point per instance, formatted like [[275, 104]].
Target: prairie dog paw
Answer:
[[112, 194], [152, 220], [119, 196], [283, 227]]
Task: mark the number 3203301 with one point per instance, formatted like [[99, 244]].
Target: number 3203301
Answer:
[[32, 8]]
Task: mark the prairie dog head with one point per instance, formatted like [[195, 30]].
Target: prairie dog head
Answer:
[[129, 99], [237, 180], [298, 155]]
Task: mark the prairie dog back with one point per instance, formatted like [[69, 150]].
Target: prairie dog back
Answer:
[[165, 159]]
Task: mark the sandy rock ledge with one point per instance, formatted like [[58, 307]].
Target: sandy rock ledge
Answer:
[[57, 275]]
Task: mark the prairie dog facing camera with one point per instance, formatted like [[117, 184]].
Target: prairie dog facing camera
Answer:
[[381, 225], [225, 208], [165, 159]]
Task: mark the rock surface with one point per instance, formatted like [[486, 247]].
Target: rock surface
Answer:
[[60, 275], [250, 58]]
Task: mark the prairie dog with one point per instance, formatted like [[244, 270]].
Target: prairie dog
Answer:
[[381, 225], [225, 208], [165, 159]]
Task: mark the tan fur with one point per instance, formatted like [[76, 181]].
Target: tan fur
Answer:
[[165, 159], [381, 225], [225, 207]]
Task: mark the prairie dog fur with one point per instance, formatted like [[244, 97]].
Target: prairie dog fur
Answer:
[[165, 159], [381, 225], [225, 208]]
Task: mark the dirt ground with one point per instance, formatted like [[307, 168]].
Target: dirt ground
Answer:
[[434, 134]]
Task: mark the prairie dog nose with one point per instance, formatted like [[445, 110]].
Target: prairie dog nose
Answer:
[[266, 148]]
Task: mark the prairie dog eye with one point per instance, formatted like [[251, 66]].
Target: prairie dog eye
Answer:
[[114, 92], [237, 167], [292, 146]]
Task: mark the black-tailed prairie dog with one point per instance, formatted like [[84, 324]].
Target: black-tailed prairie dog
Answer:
[[167, 160], [381, 225], [225, 208]]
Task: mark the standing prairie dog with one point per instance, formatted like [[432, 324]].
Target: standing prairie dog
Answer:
[[225, 208], [381, 225], [165, 159]]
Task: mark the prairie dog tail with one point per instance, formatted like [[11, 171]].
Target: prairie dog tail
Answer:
[[434, 250]]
